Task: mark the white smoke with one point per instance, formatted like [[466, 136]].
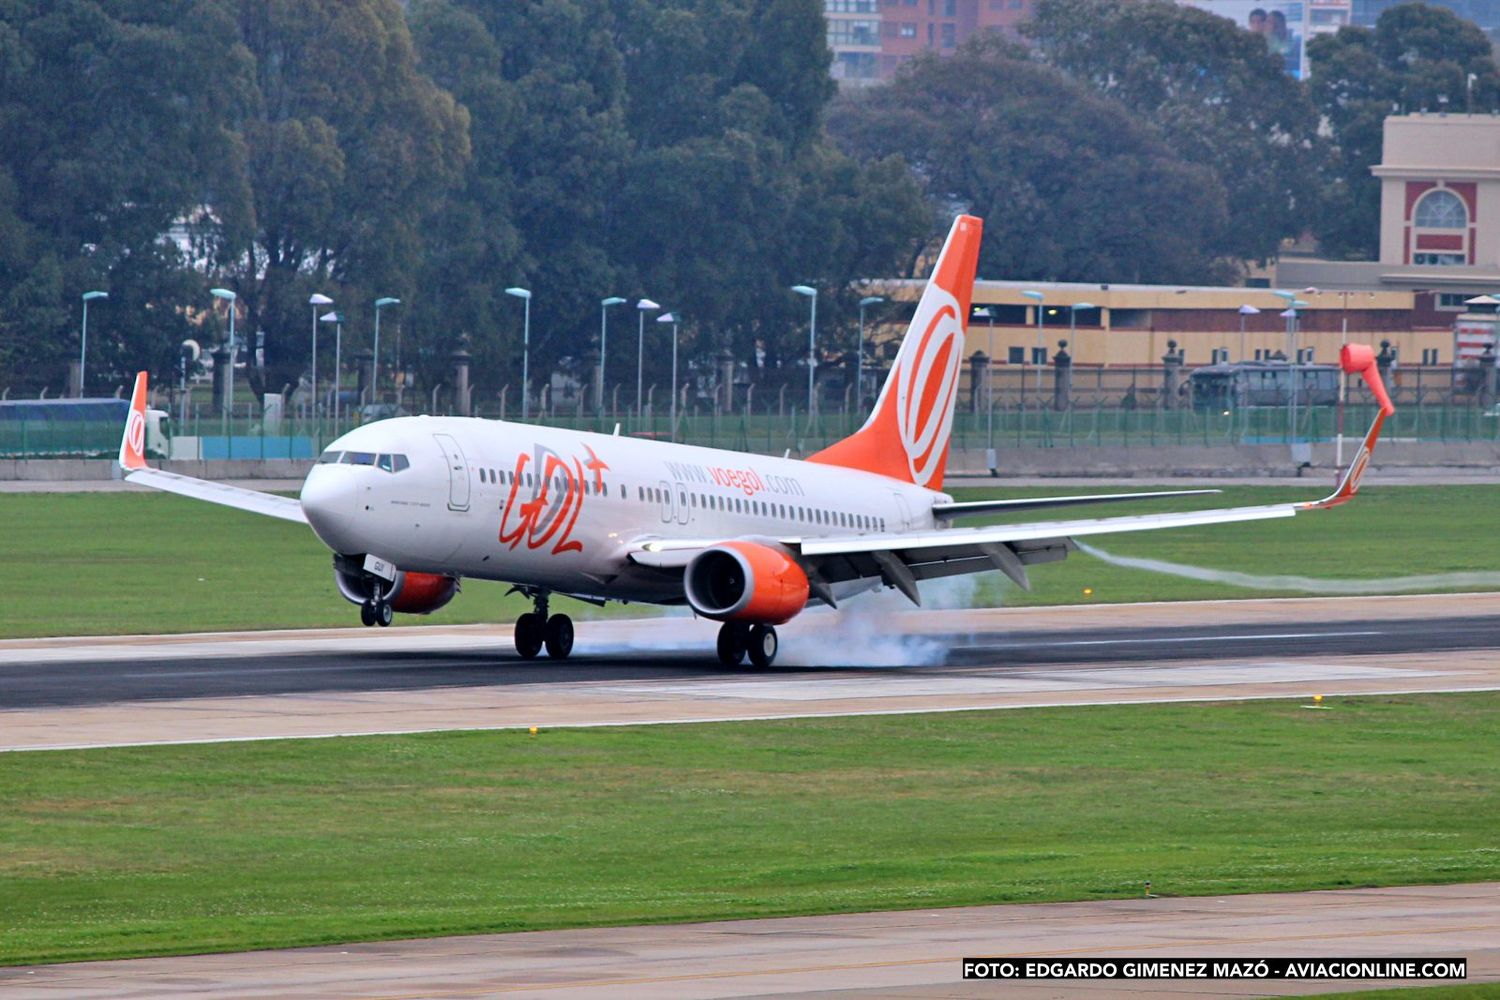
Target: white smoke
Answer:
[[1306, 584], [866, 630]]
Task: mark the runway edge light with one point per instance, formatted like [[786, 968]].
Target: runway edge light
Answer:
[[533, 730]]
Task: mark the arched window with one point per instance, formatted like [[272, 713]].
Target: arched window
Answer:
[[1441, 210]]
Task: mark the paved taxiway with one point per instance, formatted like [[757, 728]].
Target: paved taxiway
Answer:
[[150, 689], [910, 953]]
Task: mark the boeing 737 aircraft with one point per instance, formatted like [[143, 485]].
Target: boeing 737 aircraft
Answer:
[[413, 505]]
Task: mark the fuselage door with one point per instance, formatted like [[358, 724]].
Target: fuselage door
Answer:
[[903, 515], [665, 488], [682, 504], [458, 472]]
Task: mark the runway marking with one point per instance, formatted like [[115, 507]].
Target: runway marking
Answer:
[[1168, 639], [939, 684], [711, 720]]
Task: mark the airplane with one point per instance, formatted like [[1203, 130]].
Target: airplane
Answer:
[[411, 506]]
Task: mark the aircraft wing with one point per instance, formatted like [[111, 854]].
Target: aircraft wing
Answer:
[[974, 508], [901, 559], [133, 465]]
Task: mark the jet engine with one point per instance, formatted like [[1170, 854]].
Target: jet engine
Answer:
[[746, 582], [410, 593]]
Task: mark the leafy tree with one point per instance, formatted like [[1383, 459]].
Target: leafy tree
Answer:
[[1220, 99], [346, 148], [111, 115], [1418, 57], [1072, 187]]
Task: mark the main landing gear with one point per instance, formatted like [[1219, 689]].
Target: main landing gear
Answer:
[[736, 639], [536, 629]]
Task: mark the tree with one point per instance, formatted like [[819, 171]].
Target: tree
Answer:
[[1220, 99], [112, 116], [1418, 57], [1071, 186], [345, 150]]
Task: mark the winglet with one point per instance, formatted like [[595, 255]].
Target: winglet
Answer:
[[1359, 358], [133, 441]]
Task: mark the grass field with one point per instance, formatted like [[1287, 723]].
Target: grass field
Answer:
[[113, 563], [174, 849]]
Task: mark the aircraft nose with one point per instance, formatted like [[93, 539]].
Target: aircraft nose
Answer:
[[329, 498]]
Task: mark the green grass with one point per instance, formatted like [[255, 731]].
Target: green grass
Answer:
[[176, 849], [89, 563], [1464, 991]]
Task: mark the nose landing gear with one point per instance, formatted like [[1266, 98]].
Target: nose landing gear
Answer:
[[736, 639], [536, 629], [377, 611]]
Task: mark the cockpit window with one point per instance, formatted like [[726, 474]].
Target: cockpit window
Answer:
[[360, 457], [384, 461], [330, 457], [392, 463]]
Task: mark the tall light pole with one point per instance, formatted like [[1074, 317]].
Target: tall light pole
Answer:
[[83, 350], [230, 297], [812, 342], [859, 357], [672, 318], [988, 312], [1041, 331], [375, 364], [1245, 310], [316, 300], [525, 296], [604, 304], [642, 307], [1073, 321], [337, 319]]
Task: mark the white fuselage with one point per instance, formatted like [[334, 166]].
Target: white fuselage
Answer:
[[560, 509]]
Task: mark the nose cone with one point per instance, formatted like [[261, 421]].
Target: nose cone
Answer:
[[329, 499]]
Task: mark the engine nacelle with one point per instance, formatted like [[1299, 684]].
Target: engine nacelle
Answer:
[[745, 582], [409, 593]]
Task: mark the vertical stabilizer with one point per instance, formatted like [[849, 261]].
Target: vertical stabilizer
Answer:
[[906, 436]]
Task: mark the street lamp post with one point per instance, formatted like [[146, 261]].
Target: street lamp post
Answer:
[[230, 297], [859, 357], [1245, 310], [642, 307], [525, 296], [375, 363], [83, 350], [812, 343], [316, 300], [604, 304], [1073, 321], [672, 318], [337, 319]]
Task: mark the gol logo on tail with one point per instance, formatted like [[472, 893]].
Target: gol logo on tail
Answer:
[[551, 513]]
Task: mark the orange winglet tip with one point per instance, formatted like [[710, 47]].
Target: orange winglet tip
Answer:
[[133, 441]]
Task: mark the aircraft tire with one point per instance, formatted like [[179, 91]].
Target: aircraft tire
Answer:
[[559, 637], [367, 614], [763, 646], [733, 643], [529, 629], [384, 614]]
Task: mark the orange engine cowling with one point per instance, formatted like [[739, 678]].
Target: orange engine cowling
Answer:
[[410, 593], [745, 582]]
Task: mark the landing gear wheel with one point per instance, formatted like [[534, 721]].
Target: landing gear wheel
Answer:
[[367, 614], [763, 646], [559, 635], [384, 614], [734, 639], [529, 629]]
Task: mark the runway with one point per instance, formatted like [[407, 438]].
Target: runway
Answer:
[[68, 693], [908, 954]]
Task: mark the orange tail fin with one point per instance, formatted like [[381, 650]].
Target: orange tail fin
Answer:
[[906, 436], [133, 441]]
